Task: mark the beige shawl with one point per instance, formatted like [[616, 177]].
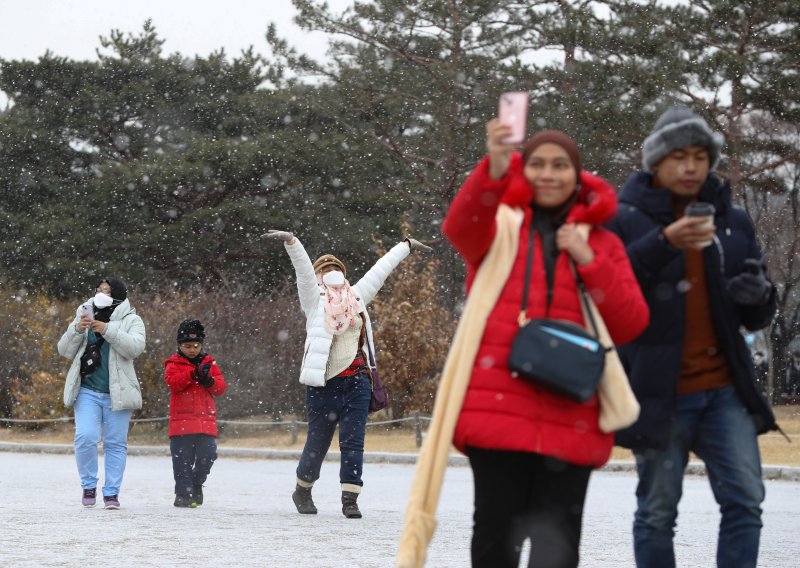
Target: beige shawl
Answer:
[[490, 278]]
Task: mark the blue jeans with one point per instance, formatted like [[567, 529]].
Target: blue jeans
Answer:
[[343, 400], [716, 426], [95, 421], [192, 458]]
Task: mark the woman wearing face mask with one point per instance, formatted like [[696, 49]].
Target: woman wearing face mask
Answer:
[[102, 341], [531, 451], [335, 363]]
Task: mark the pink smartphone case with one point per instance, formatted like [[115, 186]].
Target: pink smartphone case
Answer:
[[513, 111]]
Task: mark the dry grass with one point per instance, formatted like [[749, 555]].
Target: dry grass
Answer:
[[379, 438], [775, 449]]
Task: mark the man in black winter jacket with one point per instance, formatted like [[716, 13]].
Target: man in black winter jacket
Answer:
[[703, 278]]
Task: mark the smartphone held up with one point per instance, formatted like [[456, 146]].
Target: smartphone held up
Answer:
[[513, 111], [88, 311]]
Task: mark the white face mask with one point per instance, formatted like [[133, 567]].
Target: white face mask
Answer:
[[102, 300], [334, 279]]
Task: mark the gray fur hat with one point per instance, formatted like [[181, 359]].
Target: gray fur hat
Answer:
[[679, 127]]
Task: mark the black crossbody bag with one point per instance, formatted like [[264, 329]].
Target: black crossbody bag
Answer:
[[90, 360], [557, 355]]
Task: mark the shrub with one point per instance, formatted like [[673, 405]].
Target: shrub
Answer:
[[257, 340], [413, 330], [35, 382]]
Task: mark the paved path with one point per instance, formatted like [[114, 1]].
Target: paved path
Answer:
[[249, 519]]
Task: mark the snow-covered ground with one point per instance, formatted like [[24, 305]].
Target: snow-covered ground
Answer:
[[249, 519]]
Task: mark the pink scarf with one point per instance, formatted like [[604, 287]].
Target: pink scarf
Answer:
[[341, 307]]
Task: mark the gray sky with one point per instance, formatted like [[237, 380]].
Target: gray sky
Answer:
[[71, 28]]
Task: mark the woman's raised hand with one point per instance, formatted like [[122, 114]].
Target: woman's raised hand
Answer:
[[284, 236], [414, 244], [499, 153]]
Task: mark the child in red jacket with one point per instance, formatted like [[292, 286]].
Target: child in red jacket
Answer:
[[194, 380]]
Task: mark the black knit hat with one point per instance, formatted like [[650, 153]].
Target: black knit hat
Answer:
[[191, 330]]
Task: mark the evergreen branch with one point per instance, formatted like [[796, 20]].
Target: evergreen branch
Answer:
[[771, 165]]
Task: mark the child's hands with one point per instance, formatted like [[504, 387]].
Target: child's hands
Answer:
[[203, 373]]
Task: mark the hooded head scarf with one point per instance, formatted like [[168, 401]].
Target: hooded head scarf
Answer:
[[119, 293]]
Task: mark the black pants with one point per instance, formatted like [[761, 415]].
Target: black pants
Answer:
[[520, 495], [192, 458]]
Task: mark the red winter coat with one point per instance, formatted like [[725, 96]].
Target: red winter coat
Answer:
[[505, 413], [192, 409]]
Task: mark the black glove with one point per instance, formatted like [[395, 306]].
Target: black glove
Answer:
[[203, 374], [751, 287]]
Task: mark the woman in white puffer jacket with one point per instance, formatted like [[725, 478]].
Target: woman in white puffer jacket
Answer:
[[335, 365]]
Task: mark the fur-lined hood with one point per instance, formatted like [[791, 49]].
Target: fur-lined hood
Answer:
[[596, 203]]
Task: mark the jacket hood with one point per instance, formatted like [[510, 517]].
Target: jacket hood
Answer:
[[596, 203], [122, 310]]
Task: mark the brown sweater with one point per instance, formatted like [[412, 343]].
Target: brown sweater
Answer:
[[703, 365]]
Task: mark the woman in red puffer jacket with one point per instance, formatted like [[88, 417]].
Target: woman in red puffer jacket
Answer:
[[531, 450]]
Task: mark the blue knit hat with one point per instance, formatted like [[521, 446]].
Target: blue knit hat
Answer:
[[679, 127]]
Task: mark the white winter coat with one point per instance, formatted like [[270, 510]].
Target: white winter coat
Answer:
[[318, 339], [125, 336]]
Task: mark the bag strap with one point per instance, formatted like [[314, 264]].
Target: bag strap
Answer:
[[371, 364], [585, 298], [366, 340], [371, 356], [528, 268]]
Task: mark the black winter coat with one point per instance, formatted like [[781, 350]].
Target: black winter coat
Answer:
[[653, 360]]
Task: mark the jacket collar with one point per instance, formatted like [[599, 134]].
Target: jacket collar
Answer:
[[596, 203], [638, 191]]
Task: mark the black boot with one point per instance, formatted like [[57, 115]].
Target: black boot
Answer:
[[303, 501], [349, 505], [197, 495], [183, 500]]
